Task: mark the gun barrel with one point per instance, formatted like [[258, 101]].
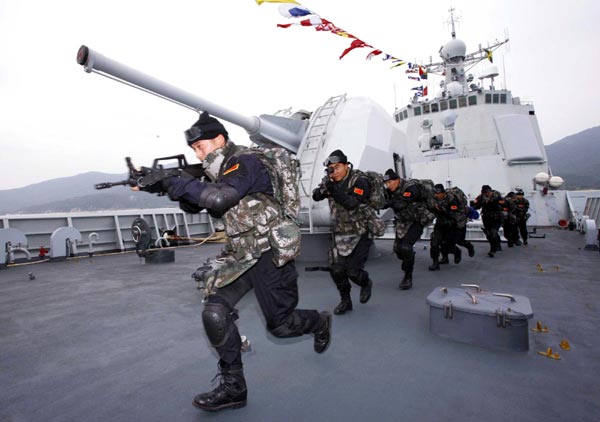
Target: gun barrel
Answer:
[[93, 61], [107, 185]]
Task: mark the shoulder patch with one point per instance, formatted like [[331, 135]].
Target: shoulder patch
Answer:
[[407, 194], [453, 207], [358, 191], [231, 169]]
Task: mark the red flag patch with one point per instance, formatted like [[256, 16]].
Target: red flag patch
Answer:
[[407, 194], [232, 168], [358, 191], [453, 207]]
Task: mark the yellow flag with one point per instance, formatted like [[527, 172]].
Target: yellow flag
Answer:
[[276, 1]]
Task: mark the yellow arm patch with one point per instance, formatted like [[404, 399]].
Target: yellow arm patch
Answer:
[[358, 191], [231, 169]]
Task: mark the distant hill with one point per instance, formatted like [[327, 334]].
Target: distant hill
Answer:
[[576, 159], [76, 193]]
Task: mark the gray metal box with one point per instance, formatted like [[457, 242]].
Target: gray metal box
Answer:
[[471, 315]]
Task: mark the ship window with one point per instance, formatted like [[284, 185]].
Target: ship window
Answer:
[[435, 107], [398, 117], [503, 98], [425, 108], [473, 100], [488, 98], [453, 103], [417, 111], [405, 113], [462, 101], [496, 98], [443, 105]]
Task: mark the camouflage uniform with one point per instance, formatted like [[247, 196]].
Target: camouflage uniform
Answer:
[[511, 232], [521, 212], [259, 255], [352, 238], [493, 215], [451, 220], [411, 217]]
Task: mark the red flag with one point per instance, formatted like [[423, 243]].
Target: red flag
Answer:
[[355, 44], [373, 54], [425, 92]]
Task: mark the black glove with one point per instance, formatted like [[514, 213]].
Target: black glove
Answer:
[[161, 187]]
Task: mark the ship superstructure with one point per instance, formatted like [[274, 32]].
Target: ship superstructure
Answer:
[[471, 133]]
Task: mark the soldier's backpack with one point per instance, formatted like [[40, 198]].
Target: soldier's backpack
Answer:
[[377, 185], [427, 191], [460, 195], [283, 169]]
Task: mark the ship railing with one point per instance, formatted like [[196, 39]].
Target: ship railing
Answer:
[[107, 230]]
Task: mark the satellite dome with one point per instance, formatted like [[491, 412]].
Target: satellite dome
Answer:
[[556, 182], [541, 178], [454, 89], [453, 49], [448, 117], [490, 72]]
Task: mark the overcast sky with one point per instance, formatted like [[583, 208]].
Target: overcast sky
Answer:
[[56, 120]]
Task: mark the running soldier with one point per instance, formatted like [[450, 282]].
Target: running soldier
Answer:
[[451, 219], [348, 192], [408, 200], [492, 206], [522, 208], [263, 242]]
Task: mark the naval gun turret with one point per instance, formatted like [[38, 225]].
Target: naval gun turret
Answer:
[[357, 125]]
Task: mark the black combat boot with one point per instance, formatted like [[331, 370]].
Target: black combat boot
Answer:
[[365, 291], [406, 282], [323, 335], [433, 267], [457, 254], [518, 243], [444, 260], [345, 304], [471, 249], [230, 394]]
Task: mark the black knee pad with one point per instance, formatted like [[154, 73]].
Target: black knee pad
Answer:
[[218, 322]]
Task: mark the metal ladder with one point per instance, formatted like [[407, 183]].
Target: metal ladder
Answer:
[[313, 142]]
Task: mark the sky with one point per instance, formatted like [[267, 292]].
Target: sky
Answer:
[[57, 120]]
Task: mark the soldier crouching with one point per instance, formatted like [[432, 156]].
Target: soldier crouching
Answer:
[[243, 191], [411, 217], [348, 191]]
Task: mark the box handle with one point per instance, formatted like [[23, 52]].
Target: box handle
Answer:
[[473, 298], [511, 297], [473, 286]]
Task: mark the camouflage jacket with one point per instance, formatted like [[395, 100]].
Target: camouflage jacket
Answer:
[[492, 208], [409, 207], [350, 210], [521, 208], [450, 211]]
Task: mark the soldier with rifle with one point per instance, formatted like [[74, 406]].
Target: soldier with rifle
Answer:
[[348, 192], [244, 190], [492, 206]]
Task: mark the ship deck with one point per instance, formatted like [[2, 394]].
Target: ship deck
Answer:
[[110, 338]]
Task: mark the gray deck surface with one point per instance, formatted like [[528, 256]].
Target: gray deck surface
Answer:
[[114, 339]]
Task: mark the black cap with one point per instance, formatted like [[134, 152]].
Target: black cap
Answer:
[[439, 188], [390, 175], [335, 157], [486, 188], [206, 127], [510, 194], [520, 191]]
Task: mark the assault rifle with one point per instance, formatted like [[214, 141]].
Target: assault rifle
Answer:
[[148, 176]]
